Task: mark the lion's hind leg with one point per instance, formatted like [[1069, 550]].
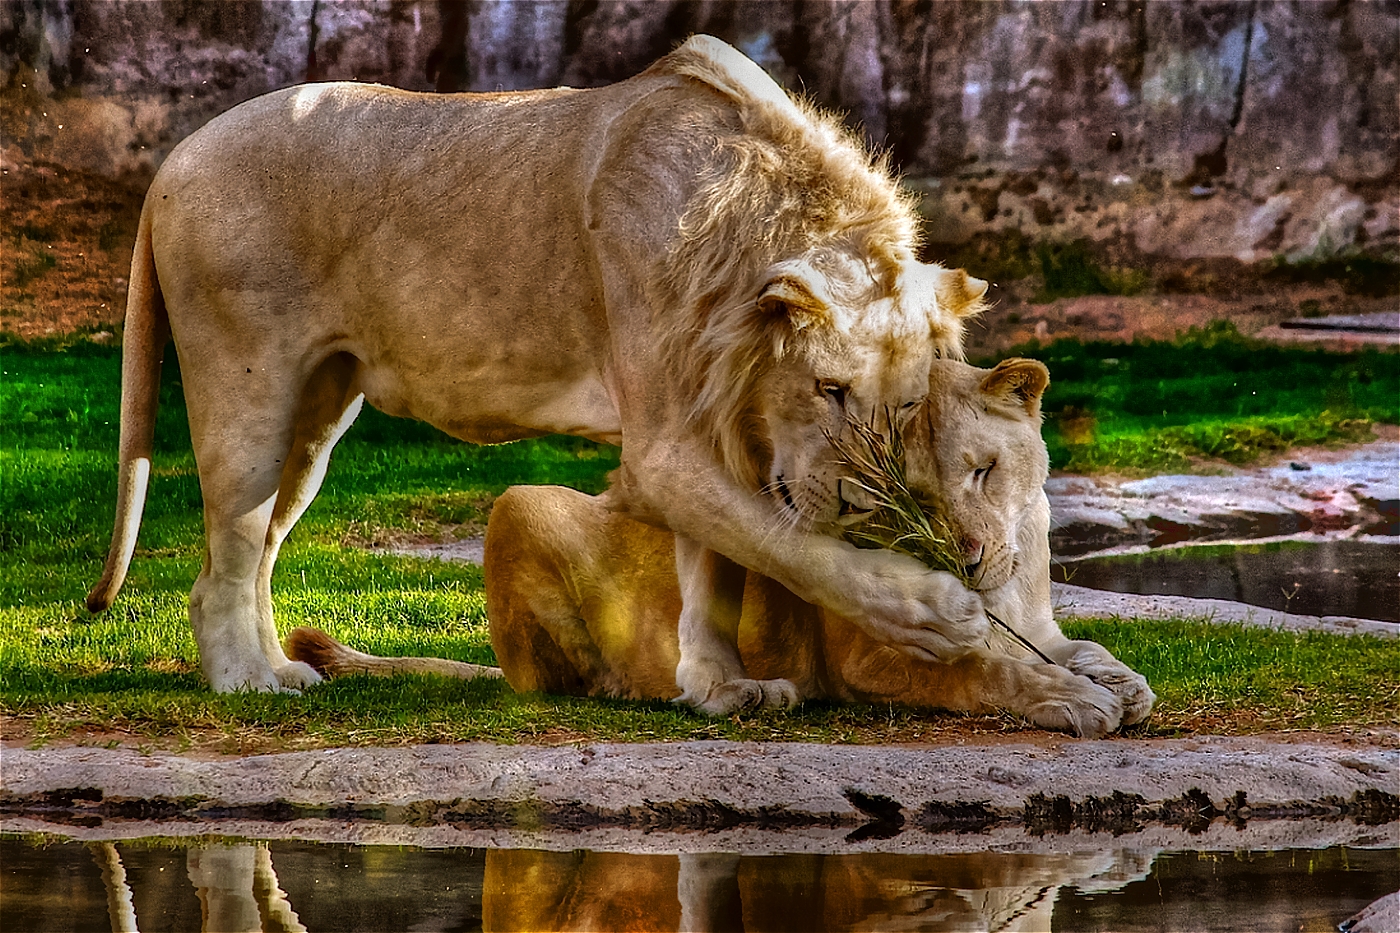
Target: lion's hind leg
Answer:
[[239, 482], [262, 446], [534, 561], [327, 408]]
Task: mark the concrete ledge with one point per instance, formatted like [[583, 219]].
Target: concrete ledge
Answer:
[[656, 796]]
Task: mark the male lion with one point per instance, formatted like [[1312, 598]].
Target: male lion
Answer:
[[583, 601], [687, 263]]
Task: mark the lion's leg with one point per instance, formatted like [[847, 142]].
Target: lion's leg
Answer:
[[537, 632], [711, 674], [328, 407], [244, 427], [239, 470], [1047, 695]]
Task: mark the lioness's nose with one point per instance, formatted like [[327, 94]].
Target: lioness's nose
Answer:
[[972, 556]]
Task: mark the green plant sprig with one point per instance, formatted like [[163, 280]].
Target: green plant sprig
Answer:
[[875, 461]]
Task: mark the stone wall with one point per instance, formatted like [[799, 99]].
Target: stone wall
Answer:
[[1250, 128]]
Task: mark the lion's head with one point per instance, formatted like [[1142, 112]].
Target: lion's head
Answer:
[[974, 453], [800, 301]]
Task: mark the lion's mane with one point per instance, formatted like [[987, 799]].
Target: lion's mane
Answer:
[[791, 181]]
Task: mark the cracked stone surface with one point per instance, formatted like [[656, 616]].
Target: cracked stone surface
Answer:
[[805, 781]]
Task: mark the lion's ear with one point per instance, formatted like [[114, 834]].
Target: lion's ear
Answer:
[[791, 295], [958, 293], [1018, 382]]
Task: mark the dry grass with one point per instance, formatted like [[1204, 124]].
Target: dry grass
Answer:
[[874, 460]]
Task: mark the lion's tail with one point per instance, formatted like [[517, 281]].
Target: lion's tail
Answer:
[[332, 659], [144, 337]]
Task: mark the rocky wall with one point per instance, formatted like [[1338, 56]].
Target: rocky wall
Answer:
[[1259, 127]]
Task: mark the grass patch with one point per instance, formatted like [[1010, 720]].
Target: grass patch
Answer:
[[1068, 270], [1210, 394], [30, 263], [1232, 679], [133, 671]]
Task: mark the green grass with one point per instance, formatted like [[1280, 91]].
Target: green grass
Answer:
[[1210, 394], [133, 671]]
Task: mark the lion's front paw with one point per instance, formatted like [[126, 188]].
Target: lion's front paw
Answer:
[[1095, 663], [731, 696], [1075, 704]]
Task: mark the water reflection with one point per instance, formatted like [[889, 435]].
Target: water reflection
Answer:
[[230, 887], [1335, 578]]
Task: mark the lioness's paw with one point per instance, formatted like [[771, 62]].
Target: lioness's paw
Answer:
[[1107, 671], [733, 696], [297, 676]]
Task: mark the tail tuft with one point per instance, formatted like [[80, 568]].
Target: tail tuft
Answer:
[[314, 647], [99, 599]]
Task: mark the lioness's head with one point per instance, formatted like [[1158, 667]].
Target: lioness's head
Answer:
[[974, 452], [844, 347]]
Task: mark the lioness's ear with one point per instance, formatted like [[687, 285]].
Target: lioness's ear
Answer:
[[959, 293], [793, 296], [1018, 382]]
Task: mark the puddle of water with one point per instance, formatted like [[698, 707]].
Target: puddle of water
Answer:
[[166, 884], [1329, 578]]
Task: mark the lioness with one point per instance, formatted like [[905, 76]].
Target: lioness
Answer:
[[583, 601], [687, 263]]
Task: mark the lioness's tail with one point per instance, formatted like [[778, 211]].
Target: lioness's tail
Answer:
[[332, 659], [146, 330]]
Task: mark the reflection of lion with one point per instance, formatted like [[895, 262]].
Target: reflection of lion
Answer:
[[584, 601], [687, 263], [532, 889]]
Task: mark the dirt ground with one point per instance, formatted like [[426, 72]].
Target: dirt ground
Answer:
[[68, 237]]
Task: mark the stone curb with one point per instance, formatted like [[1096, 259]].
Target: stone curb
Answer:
[[764, 790]]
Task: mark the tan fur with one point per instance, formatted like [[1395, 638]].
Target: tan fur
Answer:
[[332, 659], [678, 263], [583, 601]]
